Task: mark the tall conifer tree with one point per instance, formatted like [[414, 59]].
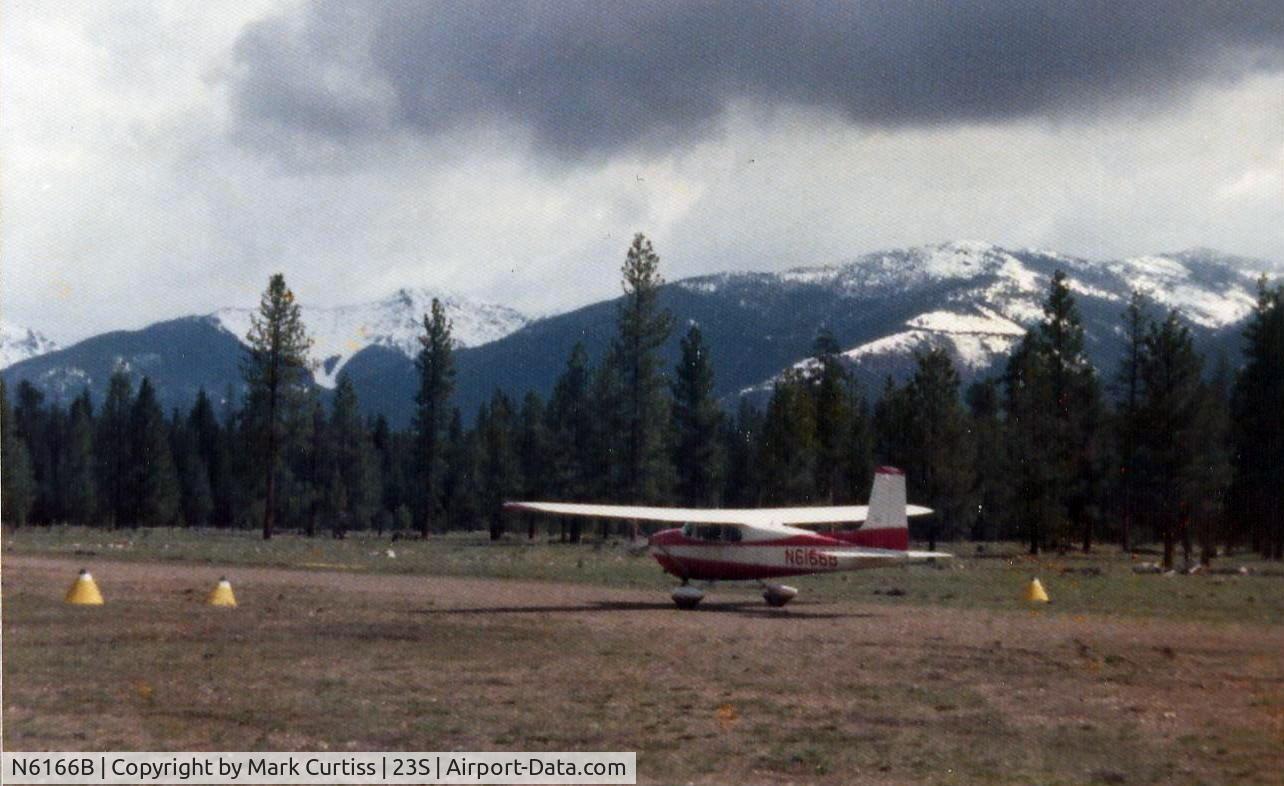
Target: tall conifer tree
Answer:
[[941, 464], [643, 327], [831, 386], [78, 476], [499, 473], [698, 455], [436, 367], [17, 486], [1258, 409], [112, 449], [354, 456], [571, 428], [154, 492], [1127, 418], [275, 370], [1171, 443], [787, 446], [534, 453]]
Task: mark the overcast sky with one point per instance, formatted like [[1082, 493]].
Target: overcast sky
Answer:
[[161, 159]]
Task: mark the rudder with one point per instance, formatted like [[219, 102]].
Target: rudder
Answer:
[[886, 525]]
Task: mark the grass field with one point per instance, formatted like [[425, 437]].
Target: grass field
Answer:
[[456, 643]]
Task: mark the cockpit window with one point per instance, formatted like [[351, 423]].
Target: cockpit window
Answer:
[[712, 532]]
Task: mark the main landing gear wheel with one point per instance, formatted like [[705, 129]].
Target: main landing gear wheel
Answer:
[[686, 596], [778, 595]]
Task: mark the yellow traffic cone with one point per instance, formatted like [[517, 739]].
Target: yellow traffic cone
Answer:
[[222, 594], [83, 591], [1034, 593]]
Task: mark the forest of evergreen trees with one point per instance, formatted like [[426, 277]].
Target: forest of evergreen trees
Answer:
[[1163, 449]]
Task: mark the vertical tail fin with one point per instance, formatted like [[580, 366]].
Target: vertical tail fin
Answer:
[[886, 525], [887, 500]]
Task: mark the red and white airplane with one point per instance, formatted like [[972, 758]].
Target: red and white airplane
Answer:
[[724, 544]]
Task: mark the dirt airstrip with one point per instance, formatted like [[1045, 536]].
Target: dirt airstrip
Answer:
[[828, 692]]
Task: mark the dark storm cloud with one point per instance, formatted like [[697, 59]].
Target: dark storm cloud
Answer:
[[593, 76]]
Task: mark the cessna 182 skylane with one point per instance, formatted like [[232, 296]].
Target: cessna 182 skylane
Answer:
[[724, 544]]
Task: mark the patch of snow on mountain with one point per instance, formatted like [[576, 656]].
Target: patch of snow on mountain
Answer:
[[979, 351], [1168, 281], [1207, 308], [395, 322], [706, 286], [1087, 290], [1151, 268], [810, 275], [975, 351], [896, 343], [18, 343], [986, 322]]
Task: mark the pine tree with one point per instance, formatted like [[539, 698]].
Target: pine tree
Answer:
[[275, 370], [34, 427], [212, 449], [154, 492], [353, 454], [1258, 409], [698, 456], [436, 383], [534, 453], [1211, 472], [1171, 442], [196, 500], [391, 489], [319, 467], [1128, 407], [1077, 406], [831, 388], [787, 447], [17, 485], [112, 449], [499, 471], [460, 479], [1031, 430], [857, 463], [892, 425], [941, 452], [607, 467], [571, 429], [1054, 412], [741, 436], [77, 474], [991, 490], [643, 327]]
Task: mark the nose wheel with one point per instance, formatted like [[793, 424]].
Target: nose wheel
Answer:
[[686, 596]]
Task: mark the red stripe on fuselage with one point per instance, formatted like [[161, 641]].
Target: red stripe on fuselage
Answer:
[[717, 570], [722, 570], [897, 539]]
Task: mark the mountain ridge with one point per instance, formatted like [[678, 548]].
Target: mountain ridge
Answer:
[[975, 299]]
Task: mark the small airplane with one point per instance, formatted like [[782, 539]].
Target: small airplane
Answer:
[[725, 544]]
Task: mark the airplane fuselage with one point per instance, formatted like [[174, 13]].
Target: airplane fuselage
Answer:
[[685, 554]]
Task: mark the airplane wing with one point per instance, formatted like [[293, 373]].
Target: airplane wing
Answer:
[[819, 517], [747, 517]]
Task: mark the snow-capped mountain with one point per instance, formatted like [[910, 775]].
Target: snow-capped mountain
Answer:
[[978, 299], [975, 299], [396, 322], [19, 343]]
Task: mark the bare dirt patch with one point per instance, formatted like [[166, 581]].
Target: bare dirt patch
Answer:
[[832, 692]]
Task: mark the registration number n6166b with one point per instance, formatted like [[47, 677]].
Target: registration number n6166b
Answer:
[[810, 558]]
